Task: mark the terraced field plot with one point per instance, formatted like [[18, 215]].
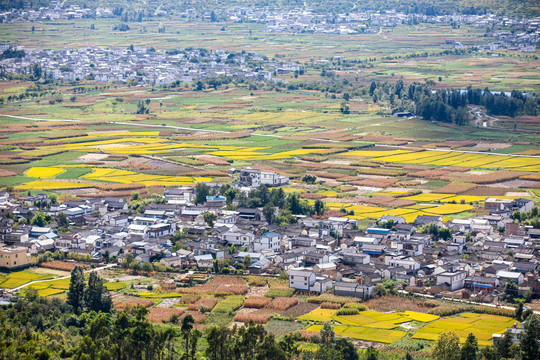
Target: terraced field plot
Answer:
[[19, 278], [483, 326], [447, 158], [367, 325]]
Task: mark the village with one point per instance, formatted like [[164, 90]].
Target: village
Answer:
[[141, 66], [518, 34], [475, 259]]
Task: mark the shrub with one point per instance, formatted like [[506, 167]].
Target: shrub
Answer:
[[358, 306], [348, 311], [256, 280], [279, 292], [330, 305]]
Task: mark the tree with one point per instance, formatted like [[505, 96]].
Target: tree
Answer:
[[209, 218], [503, 346], [327, 334], [519, 311], [215, 266], [309, 179], [41, 219], [447, 346], [318, 207], [76, 289], [95, 296], [372, 87], [511, 290], [230, 194], [470, 348], [202, 190], [445, 233], [63, 220], [247, 262], [371, 353], [529, 343], [185, 329], [218, 344], [269, 213], [346, 348], [344, 108]]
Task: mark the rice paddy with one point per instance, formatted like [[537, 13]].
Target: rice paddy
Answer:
[[483, 326]]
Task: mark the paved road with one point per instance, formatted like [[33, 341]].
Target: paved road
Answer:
[[60, 278]]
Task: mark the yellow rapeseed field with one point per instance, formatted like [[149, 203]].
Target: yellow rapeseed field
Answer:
[[43, 172]]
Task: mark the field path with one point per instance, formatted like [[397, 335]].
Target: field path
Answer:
[[14, 290]]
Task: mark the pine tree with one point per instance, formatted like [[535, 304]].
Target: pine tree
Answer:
[[96, 297], [76, 289], [470, 348], [529, 344]]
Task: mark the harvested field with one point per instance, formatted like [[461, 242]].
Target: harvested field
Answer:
[[456, 188], [398, 303], [124, 302], [6, 173], [159, 314], [282, 303], [382, 182], [203, 305], [486, 191], [489, 178], [198, 316], [256, 302], [517, 183], [300, 309], [257, 316], [61, 265], [219, 285], [430, 174]]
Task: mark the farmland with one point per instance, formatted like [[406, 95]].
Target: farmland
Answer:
[[105, 161], [126, 139], [214, 302]]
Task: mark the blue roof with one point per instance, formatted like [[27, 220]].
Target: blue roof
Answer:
[[377, 231], [270, 234], [482, 286], [216, 198], [372, 252]]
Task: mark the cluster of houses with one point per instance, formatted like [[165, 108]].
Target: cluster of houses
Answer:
[[482, 255], [144, 66], [522, 34]]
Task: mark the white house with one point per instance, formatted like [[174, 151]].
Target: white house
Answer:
[[455, 279], [268, 240], [237, 238], [301, 279], [406, 262]]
